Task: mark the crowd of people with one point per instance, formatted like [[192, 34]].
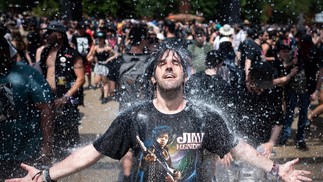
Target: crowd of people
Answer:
[[221, 92]]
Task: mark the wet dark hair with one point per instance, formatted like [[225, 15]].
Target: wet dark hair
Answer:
[[271, 33], [199, 31], [154, 58], [170, 25], [252, 33], [213, 58], [138, 33], [262, 74]]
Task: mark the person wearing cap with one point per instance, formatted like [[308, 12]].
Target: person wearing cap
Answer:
[[196, 128], [258, 120], [63, 68], [199, 49], [225, 31], [26, 117], [102, 55], [82, 42]]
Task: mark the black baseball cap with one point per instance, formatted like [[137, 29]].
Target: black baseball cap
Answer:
[[56, 26]]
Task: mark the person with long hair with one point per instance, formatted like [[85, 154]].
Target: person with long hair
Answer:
[[103, 55]]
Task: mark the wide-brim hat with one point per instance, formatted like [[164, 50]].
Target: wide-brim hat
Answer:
[[56, 26], [226, 30]]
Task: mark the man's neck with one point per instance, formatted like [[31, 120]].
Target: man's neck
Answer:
[[170, 35], [211, 71], [170, 105], [136, 49]]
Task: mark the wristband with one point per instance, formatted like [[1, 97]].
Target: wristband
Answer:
[[46, 176], [275, 169], [39, 173]]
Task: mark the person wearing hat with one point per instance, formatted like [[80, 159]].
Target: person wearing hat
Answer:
[[63, 68], [196, 128], [225, 31], [26, 117], [102, 55], [82, 42]]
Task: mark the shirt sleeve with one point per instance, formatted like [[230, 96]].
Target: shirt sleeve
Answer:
[[218, 139], [115, 142]]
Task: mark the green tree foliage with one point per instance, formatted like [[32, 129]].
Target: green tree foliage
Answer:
[[49, 8], [257, 11], [279, 11], [209, 9], [101, 7], [155, 9]]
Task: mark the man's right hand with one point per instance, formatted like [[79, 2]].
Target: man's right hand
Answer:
[[32, 171], [60, 102]]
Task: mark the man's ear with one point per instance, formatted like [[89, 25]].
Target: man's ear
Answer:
[[153, 80]]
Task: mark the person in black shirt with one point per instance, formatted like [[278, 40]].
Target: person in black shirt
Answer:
[[209, 85], [196, 128]]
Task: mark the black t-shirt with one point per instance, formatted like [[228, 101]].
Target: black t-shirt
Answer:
[[191, 132], [250, 50], [211, 89], [82, 43], [258, 114]]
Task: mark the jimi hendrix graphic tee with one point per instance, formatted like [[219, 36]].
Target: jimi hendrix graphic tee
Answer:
[[167, 144]]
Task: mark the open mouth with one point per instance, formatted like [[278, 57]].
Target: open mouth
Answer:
[[169, 75]]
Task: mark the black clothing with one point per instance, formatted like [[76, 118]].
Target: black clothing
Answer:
[[195, 129], [132, 80], [82, 43], [67, 118], [258, 114], [33, 39], [250, 50], [210, 89], [64, 72], [102, 56]]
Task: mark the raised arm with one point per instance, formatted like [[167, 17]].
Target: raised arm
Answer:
[[286, 172], [80, 159]]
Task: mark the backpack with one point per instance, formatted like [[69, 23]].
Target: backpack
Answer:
[[132, 80]]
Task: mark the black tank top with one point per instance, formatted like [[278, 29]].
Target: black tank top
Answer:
[[102, 56]]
